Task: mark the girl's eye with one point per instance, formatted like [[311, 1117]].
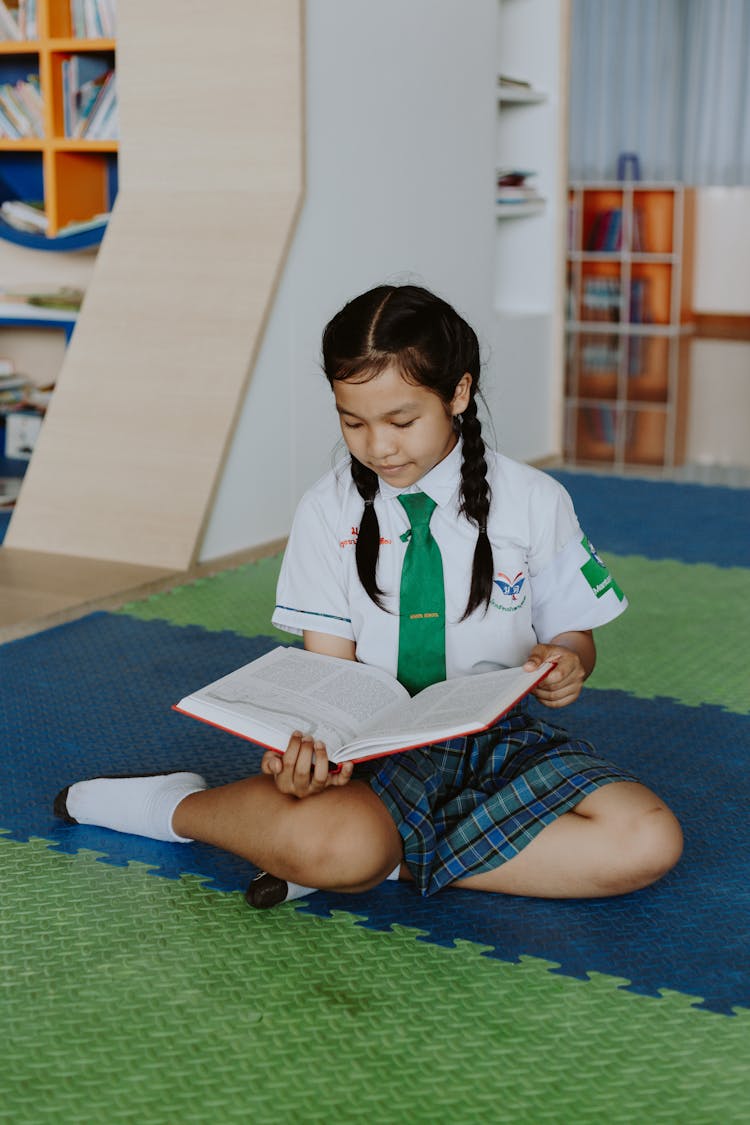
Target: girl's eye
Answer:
[[350, 425], [404, 425]]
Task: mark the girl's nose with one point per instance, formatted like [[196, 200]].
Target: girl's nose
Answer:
[[382, 443]]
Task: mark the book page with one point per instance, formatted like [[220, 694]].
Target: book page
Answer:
[[450, 708], [289, 689]]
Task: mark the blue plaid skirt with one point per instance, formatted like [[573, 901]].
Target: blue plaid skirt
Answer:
[[469, 804]]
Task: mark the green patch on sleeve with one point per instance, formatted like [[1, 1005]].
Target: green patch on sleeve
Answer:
[[597, 575]]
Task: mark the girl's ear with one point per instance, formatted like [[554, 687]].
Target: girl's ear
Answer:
[[461, 395]]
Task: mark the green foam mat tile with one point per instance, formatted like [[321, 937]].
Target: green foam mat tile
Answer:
[[677, 611], [127, 997], [241, 599]]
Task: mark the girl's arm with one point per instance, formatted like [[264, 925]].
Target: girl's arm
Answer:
[[328, 645], [575, 654]]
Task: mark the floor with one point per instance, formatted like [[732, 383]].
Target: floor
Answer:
[[139, 987]]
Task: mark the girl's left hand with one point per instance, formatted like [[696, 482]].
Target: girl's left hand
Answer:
[[563, 684]]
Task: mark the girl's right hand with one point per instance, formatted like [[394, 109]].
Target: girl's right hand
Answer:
[[295, 772]]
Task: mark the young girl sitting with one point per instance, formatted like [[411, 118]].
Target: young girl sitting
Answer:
[[430, 556]]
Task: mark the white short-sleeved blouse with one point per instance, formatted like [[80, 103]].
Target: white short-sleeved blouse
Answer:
[[548, 578]]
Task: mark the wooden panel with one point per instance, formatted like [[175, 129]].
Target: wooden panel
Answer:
[[38, 589], [211, 182], [721, 326]]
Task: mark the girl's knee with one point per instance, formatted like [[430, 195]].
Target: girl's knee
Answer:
[[650, 841], [345, 848], [645, 836]]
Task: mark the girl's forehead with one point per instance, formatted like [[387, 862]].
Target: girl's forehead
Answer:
[[385, 393]]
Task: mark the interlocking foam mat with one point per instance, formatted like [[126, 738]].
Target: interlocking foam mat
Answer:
[[137, 985]]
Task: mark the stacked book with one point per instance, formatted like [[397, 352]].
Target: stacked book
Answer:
[[28, 217], [21, 108], [513, 187]]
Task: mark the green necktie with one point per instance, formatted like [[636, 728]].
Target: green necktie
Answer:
[[421, 640]]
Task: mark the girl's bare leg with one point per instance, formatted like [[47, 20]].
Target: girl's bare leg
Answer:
[[341, 839], [618, 839]]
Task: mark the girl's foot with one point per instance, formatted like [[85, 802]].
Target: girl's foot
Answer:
[[266, 890], [142, 806]]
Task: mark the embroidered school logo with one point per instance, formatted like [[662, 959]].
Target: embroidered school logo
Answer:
[[510, 592], [352, 542], [596, 573]]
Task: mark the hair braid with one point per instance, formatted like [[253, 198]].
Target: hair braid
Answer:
[[368, 539], [475, 504]]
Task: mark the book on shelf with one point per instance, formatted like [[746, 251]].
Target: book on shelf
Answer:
[[359, 712], [67, 298], [600, 424], [601, 299], [505, 80], [605, 235], [9, 490], [93, 19], [88, 85], [80, 226], [10, 24], [24, 215], [513, 186], [21, 108]]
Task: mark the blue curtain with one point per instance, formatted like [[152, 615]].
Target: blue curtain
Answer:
[[666, 79]]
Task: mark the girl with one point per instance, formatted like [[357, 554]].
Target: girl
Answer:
[[507, 577]]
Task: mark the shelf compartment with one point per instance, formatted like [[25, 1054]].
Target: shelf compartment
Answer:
[[602, 212], [645, 436], [593, 432], [653, 216], [599, 360], [650, 293], [85, 185], [648, 364], [89, 50], [600, 299]]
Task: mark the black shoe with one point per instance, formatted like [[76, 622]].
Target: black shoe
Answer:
[[266, 890], [60, 806]]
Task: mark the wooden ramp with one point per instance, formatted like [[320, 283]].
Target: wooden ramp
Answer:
[[211, 181]]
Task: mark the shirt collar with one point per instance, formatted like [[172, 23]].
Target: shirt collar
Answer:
[[440, 483]]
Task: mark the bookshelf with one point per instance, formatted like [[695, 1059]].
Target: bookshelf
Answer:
[[74, 176], [525, 394], [629, 276]]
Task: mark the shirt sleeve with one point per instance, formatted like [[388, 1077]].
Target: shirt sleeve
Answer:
[[572, 589], [311, 591]]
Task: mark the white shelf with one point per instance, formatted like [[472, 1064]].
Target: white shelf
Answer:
[[520, 210], [508, 96], [11, 311]]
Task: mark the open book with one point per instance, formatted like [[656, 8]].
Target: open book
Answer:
[[359, 712]]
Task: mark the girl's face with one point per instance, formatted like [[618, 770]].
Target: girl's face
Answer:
[[398, 429]]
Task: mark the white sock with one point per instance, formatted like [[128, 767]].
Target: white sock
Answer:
[[142, 806], [296, 890]]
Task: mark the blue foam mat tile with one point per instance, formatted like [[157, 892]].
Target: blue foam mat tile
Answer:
[[694, 523], [691, 931], [95, 697]]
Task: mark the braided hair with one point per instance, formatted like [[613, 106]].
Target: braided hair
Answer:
[[431, 345]]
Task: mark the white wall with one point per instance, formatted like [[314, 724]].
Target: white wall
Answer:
[[719, 414], [722, 250], [400, 187]]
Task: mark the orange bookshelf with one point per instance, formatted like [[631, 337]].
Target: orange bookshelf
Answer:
[[629, 275], [75, 177]]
